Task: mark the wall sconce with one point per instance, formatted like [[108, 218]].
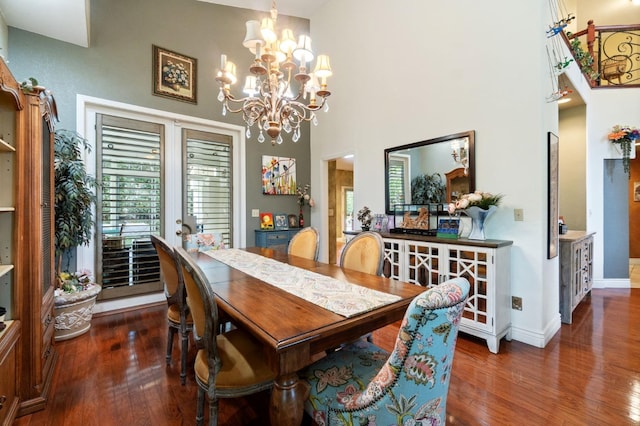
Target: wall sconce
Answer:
[[460, 153]]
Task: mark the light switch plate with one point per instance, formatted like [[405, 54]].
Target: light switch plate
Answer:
[[255, 213], [518, 215]]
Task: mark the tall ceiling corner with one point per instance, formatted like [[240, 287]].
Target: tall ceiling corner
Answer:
[[66, 20]]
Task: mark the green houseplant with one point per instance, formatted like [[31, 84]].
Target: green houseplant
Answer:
[[428, 189], [74, 196]]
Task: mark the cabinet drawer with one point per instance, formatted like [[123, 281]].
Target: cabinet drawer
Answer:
[[8, 388], [277, 237]]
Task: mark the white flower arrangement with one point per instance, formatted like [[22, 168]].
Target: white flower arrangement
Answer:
[[484, 200]]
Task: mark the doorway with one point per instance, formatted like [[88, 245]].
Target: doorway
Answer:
[[340, 209], [161, 174]]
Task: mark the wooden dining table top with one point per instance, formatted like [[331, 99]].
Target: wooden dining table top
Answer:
[[292, 329]]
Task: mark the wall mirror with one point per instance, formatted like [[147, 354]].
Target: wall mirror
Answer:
[[433, 171]]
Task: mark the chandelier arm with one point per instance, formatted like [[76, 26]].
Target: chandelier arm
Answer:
[[231, 109]]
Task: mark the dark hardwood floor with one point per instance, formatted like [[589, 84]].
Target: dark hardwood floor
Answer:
[[589, 374]]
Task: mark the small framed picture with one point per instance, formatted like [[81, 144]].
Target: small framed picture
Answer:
[[174, 75], [448, 228], [266, 221], [293, 221], [281, 221]]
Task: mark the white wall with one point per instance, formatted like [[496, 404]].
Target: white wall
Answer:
[[423, 70]]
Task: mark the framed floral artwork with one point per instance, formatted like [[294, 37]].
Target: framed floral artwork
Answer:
[[174, 75], [278, 175]]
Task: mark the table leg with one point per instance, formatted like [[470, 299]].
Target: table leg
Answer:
[[287, 400]]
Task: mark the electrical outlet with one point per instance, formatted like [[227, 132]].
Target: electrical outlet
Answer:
[[516, 303], [518, 215], [255, 213]]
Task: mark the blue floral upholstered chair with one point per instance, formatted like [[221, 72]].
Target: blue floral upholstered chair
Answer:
[[361, 384]]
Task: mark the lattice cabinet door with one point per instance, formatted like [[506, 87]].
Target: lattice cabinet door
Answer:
[[393, 254], [425, 263], [475, 264]]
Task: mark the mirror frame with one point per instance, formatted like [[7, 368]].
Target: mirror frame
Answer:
[[471, 156]]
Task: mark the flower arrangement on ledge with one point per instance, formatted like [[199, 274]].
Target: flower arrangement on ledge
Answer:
[[480, 199], [74, 282], [304, 197], [626, 137]]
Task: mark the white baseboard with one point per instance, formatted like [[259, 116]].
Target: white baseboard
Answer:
[[535, 338], [612, 283], [128, 302]]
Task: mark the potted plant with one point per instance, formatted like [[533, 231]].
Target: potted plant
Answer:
[[365, 217], [626, 137], [427, 189], [76, 292]]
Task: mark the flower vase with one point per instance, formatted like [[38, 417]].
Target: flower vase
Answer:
[[478, 217], [301, 219], [73, 312]]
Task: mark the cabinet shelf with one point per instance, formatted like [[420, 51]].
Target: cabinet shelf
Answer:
[[5, 269], [7, 209], [5, 147]]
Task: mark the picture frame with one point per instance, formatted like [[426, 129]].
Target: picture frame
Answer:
[[278, 175], [448, 228], [293, 221], [636, 191], [266, 221], [281, 221], [553, 206], [174, 75]]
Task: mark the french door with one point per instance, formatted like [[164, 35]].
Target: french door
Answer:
[[155, 181]]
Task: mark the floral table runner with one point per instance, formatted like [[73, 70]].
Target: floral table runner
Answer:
[[340, 297]]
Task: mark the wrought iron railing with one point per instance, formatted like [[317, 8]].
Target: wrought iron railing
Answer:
[[616, 54]]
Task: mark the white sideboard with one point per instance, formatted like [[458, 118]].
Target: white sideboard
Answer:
[[429, 261], [576, 270]]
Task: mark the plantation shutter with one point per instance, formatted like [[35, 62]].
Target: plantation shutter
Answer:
[[129, 205], [397, 182], [208, 183]]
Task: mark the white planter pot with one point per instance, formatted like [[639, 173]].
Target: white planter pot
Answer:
[[73, 312]]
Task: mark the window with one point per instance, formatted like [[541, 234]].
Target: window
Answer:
[[208, 183], [399, 185], [128, 205]]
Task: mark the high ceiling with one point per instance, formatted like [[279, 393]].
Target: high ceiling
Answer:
[[68, 20]]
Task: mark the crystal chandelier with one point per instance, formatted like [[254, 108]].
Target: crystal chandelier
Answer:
[[270, 103]]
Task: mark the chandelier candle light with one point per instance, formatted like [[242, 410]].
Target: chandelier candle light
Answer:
[[270, 103]]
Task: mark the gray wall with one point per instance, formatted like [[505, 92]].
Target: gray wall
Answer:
[[616, 220], [118, 66]]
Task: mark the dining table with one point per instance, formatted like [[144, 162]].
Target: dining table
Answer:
[[294, 329]]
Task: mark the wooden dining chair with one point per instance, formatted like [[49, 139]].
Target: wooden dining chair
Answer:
[[363, 384], [178, 315], [305, 243], [364, 253], [228, 365]]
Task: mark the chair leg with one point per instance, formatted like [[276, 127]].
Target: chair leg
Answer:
[[200, 407], [183, 357], [170, 334], [213, 412]]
